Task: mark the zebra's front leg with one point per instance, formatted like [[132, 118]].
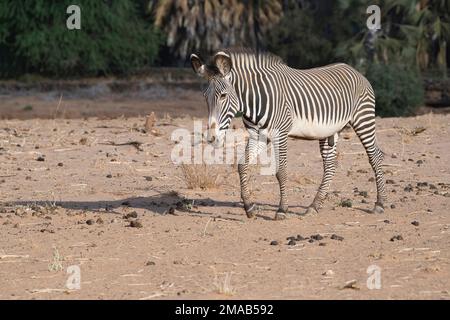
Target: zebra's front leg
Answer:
[[280, 149], [328, 153], [249, 206]]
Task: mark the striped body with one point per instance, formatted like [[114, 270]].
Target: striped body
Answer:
[[319, 101]]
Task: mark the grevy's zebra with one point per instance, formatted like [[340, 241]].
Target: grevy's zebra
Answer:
[[308, 104]]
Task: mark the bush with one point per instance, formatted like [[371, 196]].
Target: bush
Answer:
[[114, 38], [398, 89], [298, 39]]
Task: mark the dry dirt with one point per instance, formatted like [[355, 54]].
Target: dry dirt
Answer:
[[65, 192]]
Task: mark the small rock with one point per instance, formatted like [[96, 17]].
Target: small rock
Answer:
[[352, 284], [408, 188], [40, 158], [292, 243], [60, 164], [392, 206], [415, 223], [316, 237], [131, 215], [336, 237], [390, 181], [328, 273], [150, 263], [300, 238], [397, 237], [109, 176], [99, 220], [90, 222], [274, 243], [135, 224]]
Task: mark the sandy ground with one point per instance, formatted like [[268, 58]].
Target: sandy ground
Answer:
[[66, 192]]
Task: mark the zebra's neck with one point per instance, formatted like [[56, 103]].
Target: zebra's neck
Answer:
[[254, 78]]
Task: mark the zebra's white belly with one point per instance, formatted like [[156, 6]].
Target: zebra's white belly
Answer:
[[301, 128]]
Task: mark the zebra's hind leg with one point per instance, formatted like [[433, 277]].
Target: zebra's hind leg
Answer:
[[365, 130], [328, 153]]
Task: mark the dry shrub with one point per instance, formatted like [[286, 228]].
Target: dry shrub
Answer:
[[224, 287], [200, 176]]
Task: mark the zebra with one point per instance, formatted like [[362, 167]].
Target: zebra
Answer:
[[311, 104]]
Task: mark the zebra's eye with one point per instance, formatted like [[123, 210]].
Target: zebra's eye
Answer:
[[223, 96]]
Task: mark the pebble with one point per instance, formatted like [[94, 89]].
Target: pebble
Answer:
[[397, 237], [274, 243], [90, 222], [408, 188], [415, 223], [336, 237], [131, 215], [292, 243], [328, 273], [135, 224], [316, 237]]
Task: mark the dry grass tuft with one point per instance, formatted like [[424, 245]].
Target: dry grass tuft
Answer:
[[56, 264], [224, 287], [200, 176]]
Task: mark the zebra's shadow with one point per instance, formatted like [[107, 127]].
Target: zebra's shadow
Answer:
[[161, 204]]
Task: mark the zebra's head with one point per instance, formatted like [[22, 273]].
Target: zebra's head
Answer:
[[220, 95]]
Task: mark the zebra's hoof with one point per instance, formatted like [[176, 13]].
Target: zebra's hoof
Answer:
[[280, 215], [250, 210], [378, 209], [311, 211]]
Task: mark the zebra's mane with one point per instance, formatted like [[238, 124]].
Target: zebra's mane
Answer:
[[257, 53]]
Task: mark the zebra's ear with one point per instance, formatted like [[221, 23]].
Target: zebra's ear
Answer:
[[223, 62], [198, 65]]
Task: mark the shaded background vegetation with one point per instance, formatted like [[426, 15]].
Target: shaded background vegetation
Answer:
[[122, 37]]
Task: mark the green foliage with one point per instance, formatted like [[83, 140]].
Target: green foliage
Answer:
[[300, 41], [398, 89], [114, 38]]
